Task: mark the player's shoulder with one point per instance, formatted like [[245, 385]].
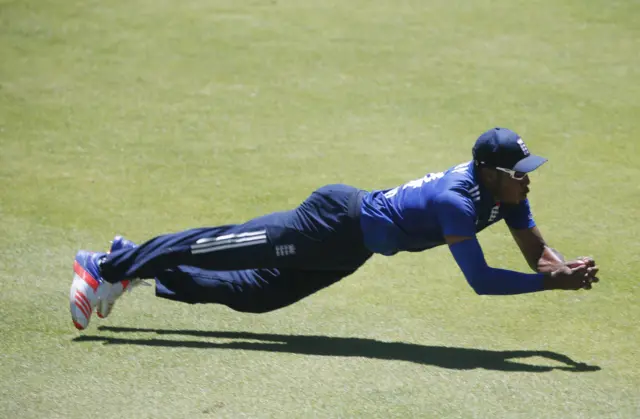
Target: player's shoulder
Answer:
[[458, 189], [460, 180]]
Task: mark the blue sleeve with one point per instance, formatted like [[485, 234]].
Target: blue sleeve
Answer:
[[490, 281], [519, 217], [456, 214]]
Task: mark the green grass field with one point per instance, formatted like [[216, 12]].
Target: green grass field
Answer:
[[143, 117]]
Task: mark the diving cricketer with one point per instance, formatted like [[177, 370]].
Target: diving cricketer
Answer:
[[275, 260]]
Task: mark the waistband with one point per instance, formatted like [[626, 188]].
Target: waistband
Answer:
[[355, 204]]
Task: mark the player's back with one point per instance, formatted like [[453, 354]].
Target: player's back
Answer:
[[405, 218]]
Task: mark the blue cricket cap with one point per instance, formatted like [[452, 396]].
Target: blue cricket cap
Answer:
[[501, 147]]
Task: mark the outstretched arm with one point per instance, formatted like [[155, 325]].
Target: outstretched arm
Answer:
[[540, 256], [486, 280], [456, 215]]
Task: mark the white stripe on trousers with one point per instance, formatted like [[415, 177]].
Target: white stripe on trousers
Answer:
[[230, 236], [229, 241], [232, 245], [220, 243]]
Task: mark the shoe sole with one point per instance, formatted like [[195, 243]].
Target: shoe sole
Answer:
[[81, 303], [82, 296]]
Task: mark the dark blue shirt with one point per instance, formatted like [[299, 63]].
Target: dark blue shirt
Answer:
[[417, 215]]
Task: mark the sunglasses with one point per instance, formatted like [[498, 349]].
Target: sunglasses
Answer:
[[514, 175]]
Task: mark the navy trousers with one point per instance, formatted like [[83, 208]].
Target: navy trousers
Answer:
[[262, 265]]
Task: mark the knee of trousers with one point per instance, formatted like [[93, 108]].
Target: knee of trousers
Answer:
[[255, 305], [253, 309], [260, 301], [245, 300]]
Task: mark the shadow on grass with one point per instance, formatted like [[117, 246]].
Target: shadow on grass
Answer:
[[440, 356]]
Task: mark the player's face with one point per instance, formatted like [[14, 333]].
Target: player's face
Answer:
[[513, 191]]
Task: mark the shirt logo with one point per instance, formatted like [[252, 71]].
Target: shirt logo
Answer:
[[494, 213]]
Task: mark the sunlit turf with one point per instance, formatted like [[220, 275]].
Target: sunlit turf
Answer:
[[144, 117]]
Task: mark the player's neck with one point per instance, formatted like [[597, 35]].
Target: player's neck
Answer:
[[491, 184]]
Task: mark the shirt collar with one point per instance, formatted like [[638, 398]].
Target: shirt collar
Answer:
[[485, 195]]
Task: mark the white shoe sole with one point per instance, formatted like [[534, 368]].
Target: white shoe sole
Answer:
[[82, 300]]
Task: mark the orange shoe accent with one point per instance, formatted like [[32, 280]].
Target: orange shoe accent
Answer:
[[86, 310], [81, 298], [82, 309], [86, 276]]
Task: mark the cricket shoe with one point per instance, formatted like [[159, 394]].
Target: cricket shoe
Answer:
[[105, 305], [87, 287], [119, 243]]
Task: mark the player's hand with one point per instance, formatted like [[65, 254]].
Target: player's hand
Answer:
[[582, 276], [581, 260]]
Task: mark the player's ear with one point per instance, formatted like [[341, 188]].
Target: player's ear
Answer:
[[488, 175]]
